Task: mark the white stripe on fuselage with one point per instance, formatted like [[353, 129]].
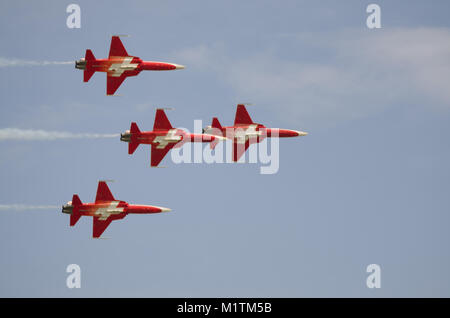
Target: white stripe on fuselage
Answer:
[[116, 69], [170, 138], [105, 212]]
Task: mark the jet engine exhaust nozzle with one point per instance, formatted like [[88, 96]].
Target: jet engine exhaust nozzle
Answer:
[[67, 208], [80, 64], [126, 136]]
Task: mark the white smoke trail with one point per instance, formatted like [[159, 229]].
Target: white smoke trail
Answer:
[[29, 134], [6, 62], [26, 207]]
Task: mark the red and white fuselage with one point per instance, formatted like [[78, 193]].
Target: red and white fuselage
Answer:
[[162, 138], [105, 209], [115, 209], [245, 132], [119, 65]]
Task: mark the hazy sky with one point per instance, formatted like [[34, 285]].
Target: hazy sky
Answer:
[[369, 184]]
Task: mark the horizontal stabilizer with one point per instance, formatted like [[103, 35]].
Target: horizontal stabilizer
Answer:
[[216, 130], [132, 146], [89, 56], [87, 74], [74, 217], [216, 124], [213, 144], [134, 129], [88, 70], [76, 200], [133, 143]]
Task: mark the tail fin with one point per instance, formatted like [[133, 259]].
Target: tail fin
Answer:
[[89, 70], [75, 216], [216, 126], [133, 143]]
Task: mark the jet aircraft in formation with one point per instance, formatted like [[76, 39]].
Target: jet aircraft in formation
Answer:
[[119, 65], [162, 138], [245, 132], [105, 209]]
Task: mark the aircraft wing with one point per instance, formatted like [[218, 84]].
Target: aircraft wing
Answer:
[[103, 192], [239, 148], [159, 153], [161, 121], [117, 48], [100, 226], [242, 117], [113, 83]]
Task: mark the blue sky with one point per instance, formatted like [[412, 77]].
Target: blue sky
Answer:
[[369, 184]]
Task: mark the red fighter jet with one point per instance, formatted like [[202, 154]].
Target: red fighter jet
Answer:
[[163, 137], [105, 209], [119, 65], [245, 132]]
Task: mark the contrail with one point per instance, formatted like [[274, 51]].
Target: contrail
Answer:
[[25, 207], [6, 62], [29, 134]]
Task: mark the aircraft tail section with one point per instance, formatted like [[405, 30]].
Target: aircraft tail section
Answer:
[[89, 70], [133, 143], [132, 146], [75, 216], [216, 128], [76, 200], [89, 56], [216, 124]]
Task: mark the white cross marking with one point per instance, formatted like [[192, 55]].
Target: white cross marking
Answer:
[[104, 213], [116, 69], [243, 135], [163, 141]]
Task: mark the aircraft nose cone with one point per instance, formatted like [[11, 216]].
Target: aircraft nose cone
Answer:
[[178, 66], [288, 133]]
